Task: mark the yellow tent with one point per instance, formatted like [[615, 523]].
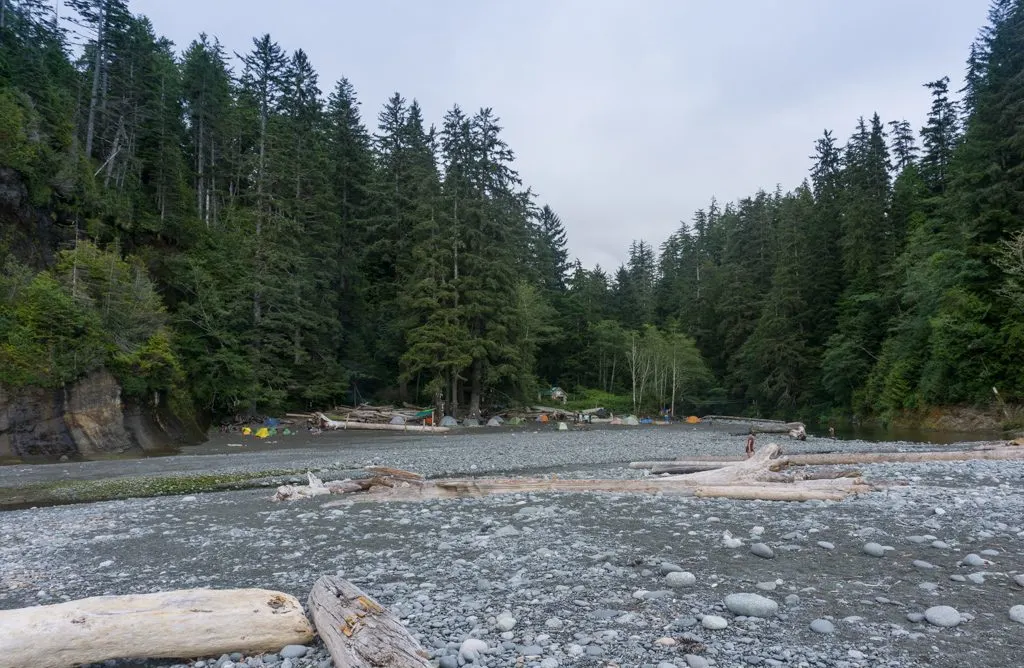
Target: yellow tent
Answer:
[[262, 432], [693, 419]]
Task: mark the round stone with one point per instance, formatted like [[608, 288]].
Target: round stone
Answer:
[[973, 560], [1017, 614], [915, 617], [762, 550], [668, 567], [874, 550], [825, 545], [471, 649], [293, 651], [1019, 579], [505, 621], [554, 623], [751, 605], [823, 626], [923, 565], [942, 615], [713, 622], [680, 579]]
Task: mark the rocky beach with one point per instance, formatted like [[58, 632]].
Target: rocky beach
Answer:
[[926, 573]]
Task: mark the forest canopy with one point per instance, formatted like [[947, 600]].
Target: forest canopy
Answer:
[[235, 231]]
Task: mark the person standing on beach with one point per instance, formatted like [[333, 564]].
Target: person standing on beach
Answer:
[[750, 444]]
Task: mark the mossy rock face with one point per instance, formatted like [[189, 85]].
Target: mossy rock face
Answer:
[[90, 491]]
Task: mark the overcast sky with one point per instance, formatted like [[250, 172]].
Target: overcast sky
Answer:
[[625, 116]]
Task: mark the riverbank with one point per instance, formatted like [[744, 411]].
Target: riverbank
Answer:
[[220, 464]]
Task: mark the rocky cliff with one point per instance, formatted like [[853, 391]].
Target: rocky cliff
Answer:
[[85, 419]]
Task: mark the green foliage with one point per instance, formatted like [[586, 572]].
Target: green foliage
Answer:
[[47, 338], [241, 237]]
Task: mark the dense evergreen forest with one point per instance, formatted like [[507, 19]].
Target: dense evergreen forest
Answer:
[[219, 232]]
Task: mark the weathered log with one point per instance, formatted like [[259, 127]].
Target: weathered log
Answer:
[[770, 492], [358, 631], [692, 462], [398, 474], [173, 624], [687, 467], [675, 486], [812, 474], [746, 471], [328, 423], [846, 458], [837, 459]]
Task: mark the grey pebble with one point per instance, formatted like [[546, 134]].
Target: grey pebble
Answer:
[[973, 561], [680, 579], [293, 651], [1017, 614], [824, 544], [823, 626], [942, 615], [751, 605], [874, 550], [448, 661], [762, 550], [915, 617]]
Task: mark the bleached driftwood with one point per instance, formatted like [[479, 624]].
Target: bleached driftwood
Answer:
[[358, 631], [327, 423], [751, 479], [173, 624], [838, 459]]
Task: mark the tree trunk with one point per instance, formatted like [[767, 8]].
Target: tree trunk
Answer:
[[174, 625], [476, 373], [453, 398], [358, 631], [90, 128]]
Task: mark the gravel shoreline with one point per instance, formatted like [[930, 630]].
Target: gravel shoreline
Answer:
[[577, 579]]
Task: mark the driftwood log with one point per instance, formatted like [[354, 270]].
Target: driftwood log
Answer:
[[174, 624], [358, 631], [327, 423], [749, 479], [838, 459]]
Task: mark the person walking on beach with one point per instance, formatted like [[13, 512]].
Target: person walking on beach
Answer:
[[750, 444]]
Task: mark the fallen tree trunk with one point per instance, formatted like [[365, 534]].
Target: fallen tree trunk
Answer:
[[768, 491], [842, 458], [174, 624], [328, 423], [838, 459], [358, 631]]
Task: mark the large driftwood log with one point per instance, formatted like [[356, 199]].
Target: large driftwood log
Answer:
[[837, 459], [173, 624], [358, 631], [327, 423], [844, 458]]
